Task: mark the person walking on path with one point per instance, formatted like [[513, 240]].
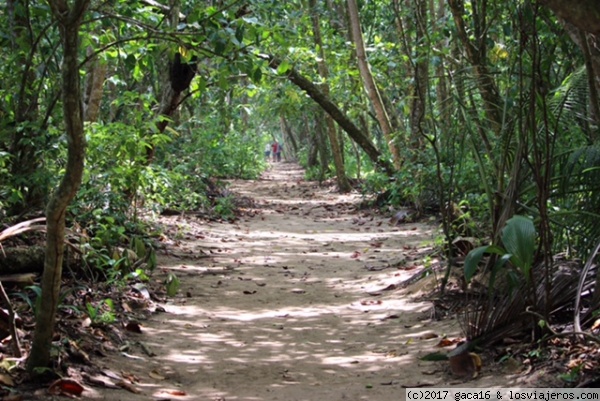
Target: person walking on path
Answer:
[[274, 149], [267, 151], [279, 148]]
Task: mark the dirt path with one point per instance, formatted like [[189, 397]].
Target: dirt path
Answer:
[[298, 302]]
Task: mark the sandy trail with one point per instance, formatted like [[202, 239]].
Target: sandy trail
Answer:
[[296, 301]]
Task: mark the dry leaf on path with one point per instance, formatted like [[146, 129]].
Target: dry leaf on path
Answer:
[[446, 342], [133, 327], [129, 387], [428, 336], [66, 387], [156, 376]]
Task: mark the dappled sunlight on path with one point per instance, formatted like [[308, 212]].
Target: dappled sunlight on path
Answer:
[[301, 299]]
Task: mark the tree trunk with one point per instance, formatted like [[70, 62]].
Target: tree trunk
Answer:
[[69, 20], [421, 76], [27, 132], [584, 14], [313, 142], [589, 45], [476, 54], [94, 87], [369, 84], [442, 94], [338, 161], [330, 108], [322, 145], [176, 79], [290, 138]]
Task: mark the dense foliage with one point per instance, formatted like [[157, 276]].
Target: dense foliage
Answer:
[[475, 110]]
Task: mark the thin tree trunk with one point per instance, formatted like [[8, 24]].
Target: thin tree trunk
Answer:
[[25, 140], [313, 142], [69, 21], [322, 146], [443, 99], [94, 87], [338, 161], [370, 85], [326, 104], [421, 76], [290, 138], [476, 54], [176, 79]]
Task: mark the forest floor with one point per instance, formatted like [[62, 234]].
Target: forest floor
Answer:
[[301, 298]]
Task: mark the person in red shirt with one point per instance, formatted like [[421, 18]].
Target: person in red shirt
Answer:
[[274, 149]]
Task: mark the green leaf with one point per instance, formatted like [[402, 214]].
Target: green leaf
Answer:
[[284, 67], [518, 238], [499, 263], [172, 283], [139, 247], [152, 260], [474, 257]]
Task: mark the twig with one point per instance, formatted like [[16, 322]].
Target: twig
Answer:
[[576, 333], [11, 323], [586, 269]]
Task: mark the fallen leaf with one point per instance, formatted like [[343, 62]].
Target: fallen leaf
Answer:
[[6, 380], [155, 375], [176, 392], [428, 336], [67, 387], [129, 387], [446, 342], [134, 327], [370, 302]]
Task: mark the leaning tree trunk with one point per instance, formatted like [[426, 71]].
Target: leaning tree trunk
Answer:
[[369, 82], [69, 20], [330, 108], [336, 150]]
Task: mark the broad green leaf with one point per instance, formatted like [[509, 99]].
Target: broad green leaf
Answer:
[[499, 264], [518, 238], [172, 283], [284, 67], [474, 257]]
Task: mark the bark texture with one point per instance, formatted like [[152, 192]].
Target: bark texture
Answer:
[[584, 14], [69, 20]]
